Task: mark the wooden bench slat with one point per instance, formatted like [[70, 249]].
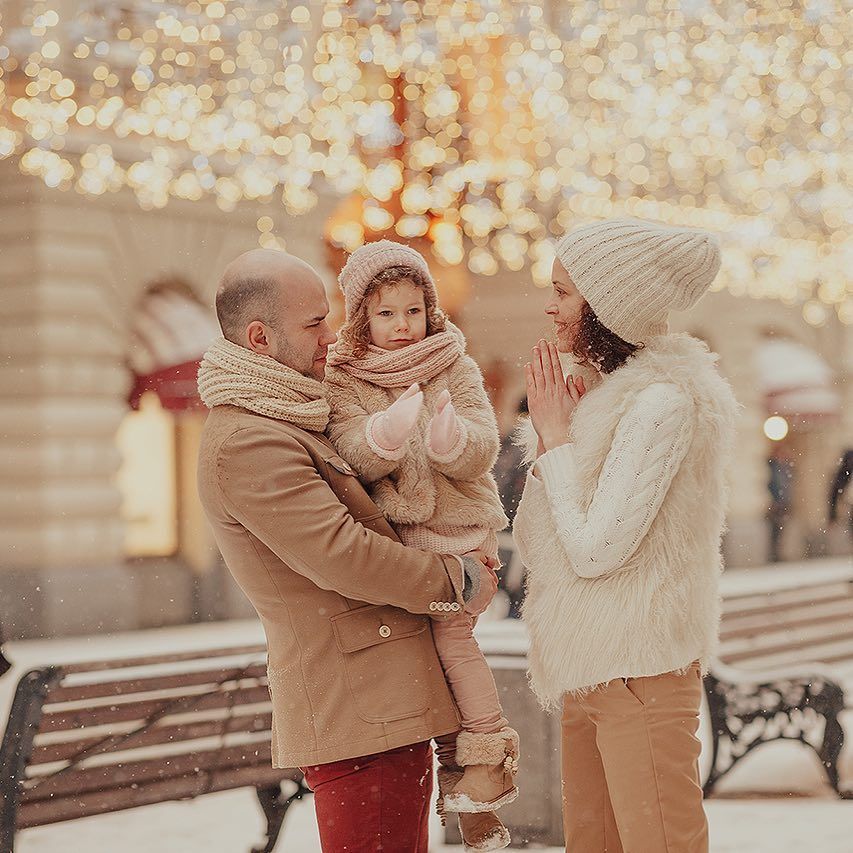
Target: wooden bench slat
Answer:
[[58, 809], [770, 603], [799, 661], [126, 663], [109, 776], [87, 717], [754, 628], [809, 649], [189, 731], [109, 689], [772, 641]]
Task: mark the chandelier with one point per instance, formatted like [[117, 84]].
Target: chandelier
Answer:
[[493, 126]]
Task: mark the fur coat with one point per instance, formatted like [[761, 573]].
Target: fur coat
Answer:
[[420, 489], [620, 528]]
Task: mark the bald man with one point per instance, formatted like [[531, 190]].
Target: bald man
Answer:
[[357, 689]]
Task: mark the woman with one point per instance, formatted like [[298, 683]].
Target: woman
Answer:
[[620, 526]]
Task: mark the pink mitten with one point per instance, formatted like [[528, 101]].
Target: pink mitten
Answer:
[[391, 428], [444, 426]]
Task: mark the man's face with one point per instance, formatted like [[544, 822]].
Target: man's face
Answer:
[[300, 336]]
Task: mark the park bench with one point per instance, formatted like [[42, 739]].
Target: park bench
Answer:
[[87, 739], [777, 676]]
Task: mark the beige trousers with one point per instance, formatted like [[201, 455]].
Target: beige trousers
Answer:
[[631, 767]]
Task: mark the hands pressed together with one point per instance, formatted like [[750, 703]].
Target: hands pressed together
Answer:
[[393, 428], [551, 399]]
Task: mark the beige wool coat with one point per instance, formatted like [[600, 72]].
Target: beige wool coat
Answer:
[[419, 489], [346, 609]]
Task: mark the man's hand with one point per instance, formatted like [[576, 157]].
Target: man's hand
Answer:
[[488, 584]]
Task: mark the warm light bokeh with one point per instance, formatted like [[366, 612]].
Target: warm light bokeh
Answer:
[[521, 120]]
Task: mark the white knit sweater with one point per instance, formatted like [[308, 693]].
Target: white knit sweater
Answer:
[[620, 529]]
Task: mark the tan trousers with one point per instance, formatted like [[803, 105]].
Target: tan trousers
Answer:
[[631, 767]]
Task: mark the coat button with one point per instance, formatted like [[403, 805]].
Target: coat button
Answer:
[[384, 631]]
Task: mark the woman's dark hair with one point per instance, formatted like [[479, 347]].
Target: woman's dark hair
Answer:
[[595, 344]]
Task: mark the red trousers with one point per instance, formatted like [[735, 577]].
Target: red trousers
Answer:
[[376, 803]]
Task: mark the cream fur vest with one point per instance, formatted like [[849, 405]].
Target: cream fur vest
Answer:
[[620, 529]]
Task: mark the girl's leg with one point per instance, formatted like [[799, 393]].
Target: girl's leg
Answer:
[[487, 750], [646, 735], [468, 675], [589, 825]]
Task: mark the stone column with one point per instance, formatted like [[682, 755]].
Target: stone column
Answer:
[[62, 387], [73, 269]]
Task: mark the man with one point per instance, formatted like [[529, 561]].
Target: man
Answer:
[[356, 686]]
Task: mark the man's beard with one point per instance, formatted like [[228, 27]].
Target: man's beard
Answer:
[[286, 356]]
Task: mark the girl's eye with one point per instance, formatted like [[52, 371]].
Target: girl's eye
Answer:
[[414, 310], [384, 313]]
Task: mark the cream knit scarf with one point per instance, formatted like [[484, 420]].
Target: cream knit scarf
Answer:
[[418, 362], [232, 375]]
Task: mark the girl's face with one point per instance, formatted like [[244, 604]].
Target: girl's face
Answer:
[[397, 315], [564, 306]]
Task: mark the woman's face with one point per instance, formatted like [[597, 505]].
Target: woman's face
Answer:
[[564, 306], [397, 315]]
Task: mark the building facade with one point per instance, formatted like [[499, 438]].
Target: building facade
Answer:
[[100, 526]]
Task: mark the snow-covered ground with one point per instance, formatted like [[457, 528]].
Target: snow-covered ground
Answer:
[[748, 815]]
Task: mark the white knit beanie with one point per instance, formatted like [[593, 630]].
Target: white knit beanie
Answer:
[[633, 273], [366, 262]]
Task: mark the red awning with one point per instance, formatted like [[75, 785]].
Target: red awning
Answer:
[[175, 386], [171, 332]]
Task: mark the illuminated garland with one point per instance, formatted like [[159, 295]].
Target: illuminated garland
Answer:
[[519, 120]]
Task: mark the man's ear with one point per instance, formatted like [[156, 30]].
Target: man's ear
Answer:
[[257, 337]]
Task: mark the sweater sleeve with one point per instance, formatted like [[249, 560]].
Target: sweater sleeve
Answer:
[[478, 440], [650, 442], [349, 431]]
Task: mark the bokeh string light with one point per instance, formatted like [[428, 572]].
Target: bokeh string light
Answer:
[[494, 125]]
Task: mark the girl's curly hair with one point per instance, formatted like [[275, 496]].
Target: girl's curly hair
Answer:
[[356, 332], [596, 345]]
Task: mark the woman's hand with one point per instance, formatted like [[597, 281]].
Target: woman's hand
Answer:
[[550, 399]]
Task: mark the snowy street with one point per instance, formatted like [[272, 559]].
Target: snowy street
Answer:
[[747, 816]]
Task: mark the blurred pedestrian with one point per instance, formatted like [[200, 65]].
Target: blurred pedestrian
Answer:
[[5, 665], [780, 485], [510, 473], [840, 497]]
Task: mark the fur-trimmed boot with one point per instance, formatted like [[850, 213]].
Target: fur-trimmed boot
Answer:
[[480, 832], [490, 762]]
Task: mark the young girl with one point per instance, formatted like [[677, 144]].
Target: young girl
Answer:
[[410, 414]]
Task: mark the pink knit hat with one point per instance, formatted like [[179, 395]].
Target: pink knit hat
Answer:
[[366, 262]]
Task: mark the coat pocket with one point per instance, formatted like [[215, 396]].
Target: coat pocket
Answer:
[[383, 650]]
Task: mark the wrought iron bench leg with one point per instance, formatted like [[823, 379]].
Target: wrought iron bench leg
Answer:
[[745, 715], [275, 806], [830, 752], [17, 743]]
